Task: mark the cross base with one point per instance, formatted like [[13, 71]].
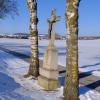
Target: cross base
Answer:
[[48, 84]]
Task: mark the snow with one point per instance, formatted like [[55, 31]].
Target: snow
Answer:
[[13, 86], [89, 52], [89, 57], [87, 94]]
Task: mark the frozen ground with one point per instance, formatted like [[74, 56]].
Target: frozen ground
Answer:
[[89, 52], [14, 87]]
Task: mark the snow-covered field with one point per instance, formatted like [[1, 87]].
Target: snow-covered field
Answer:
[[14, 87], [89, 52]]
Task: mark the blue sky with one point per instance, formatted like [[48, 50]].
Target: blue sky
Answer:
[[89, 17]]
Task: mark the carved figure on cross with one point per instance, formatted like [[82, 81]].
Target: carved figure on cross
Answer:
[[52, 20]]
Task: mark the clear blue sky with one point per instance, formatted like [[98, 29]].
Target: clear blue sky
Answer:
[[89, 17]]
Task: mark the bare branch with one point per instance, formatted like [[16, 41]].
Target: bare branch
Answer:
[[8, 7]]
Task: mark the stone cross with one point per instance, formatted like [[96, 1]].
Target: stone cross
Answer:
[[52, 21], [48, 78]]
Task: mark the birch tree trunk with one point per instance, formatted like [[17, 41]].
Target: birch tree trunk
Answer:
[[71, 88], [34, 66]]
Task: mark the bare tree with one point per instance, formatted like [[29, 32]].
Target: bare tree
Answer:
[[34, 66], [8, 7], [71, 88]]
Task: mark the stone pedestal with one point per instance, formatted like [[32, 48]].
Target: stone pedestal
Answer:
[[48, 78]]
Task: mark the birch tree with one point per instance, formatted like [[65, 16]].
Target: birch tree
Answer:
[[34, 65], [71, 89]]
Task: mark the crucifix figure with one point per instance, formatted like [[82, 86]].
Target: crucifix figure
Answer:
[[52, 20]]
